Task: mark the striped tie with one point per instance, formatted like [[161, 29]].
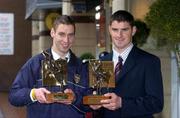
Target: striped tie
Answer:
[[118, 67]]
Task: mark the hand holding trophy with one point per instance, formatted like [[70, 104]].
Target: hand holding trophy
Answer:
[[100, 76], [54, 73]]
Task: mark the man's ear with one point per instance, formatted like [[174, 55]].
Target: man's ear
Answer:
[[109, 29], [52, 32], [134, 30]]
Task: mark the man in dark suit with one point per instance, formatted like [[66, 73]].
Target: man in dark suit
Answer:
[[139, 89]]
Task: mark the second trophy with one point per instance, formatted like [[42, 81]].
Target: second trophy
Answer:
[[101, 76]]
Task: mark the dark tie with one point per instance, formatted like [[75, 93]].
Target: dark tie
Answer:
[[118, 67]]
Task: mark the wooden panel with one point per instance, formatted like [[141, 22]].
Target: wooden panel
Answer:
[[9, 65]]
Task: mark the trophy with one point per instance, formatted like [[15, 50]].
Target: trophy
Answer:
[[101, 75], [54, 73]]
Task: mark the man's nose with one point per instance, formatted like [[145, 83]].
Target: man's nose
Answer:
[[66, 38], [120, 33]]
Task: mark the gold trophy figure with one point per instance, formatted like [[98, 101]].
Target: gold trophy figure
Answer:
[[54, 73], [100, 76]]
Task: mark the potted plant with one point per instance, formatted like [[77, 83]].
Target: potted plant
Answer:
[[87, 55], [164, 20]]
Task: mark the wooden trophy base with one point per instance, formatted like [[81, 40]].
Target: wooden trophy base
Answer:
[[94, 99], [54, 97]]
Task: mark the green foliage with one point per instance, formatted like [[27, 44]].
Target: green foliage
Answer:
[[164, 21], [87, 55], [142, 33]]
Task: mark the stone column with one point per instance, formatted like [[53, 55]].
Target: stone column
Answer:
[[66, 8], [35, 34], [118, 5], [44, 34], [113, 6]]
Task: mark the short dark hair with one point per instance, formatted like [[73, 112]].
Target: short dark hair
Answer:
[[64, 19], [122, 16]]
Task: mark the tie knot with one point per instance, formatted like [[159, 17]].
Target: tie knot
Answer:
[[120, 59]]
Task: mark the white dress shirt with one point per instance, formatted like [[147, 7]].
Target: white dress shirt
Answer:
[[123, 55]]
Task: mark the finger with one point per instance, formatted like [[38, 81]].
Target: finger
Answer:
[[42, 95], [71, 92], [42, 98], [106, 101], [107, 105], [45, 91], [67, 102], [68, 91], [107, 94], [95, 107], [113, 108]]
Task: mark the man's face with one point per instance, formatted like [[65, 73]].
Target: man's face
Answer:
[[63, 38], [121, 35]]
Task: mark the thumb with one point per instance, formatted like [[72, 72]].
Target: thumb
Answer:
[[44, 90]]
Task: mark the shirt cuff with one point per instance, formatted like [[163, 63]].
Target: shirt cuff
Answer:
[[31, 95]]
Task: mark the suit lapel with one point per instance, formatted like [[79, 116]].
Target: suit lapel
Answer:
[[128, 65]]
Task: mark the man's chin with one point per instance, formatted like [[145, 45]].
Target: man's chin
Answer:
[[65, 50]]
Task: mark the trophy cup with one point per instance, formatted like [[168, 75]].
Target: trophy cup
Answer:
[[54, 73], [101, 75]]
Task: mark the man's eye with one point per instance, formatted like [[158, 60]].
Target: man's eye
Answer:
[[125, 29], [62, 35], [115, 30], [71, 35]]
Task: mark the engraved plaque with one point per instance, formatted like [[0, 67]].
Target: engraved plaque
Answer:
[[101, 75], [59, 97], [94, 99], [54, 73]]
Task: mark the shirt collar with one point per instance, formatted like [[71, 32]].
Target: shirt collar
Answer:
[[57, 56], [123, 55]]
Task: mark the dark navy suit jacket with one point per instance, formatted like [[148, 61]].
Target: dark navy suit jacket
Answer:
[[140, 86]]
